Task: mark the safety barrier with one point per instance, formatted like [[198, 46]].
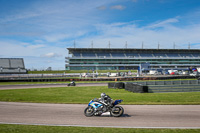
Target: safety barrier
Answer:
[[174, 88], [158, 86]]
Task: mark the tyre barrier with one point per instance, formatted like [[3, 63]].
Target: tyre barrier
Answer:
[[129, 86], [134, 87], [118, 85], [158, 86]]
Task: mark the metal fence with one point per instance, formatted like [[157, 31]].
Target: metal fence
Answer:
[[175, 82], [173, 88]]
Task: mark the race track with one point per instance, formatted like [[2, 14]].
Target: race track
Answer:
[[136, 116], [28, 86]]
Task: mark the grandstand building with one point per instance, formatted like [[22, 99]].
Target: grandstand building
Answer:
[[12, 66], [122, 59]]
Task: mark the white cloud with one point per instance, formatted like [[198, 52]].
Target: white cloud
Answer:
[[163, 23], [55, 37], [118, 7], [35, 46], [150, 35], [51, 55]]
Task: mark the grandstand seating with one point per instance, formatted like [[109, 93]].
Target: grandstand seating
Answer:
[[172, 55], [12, 65], [88, 55], [4, 63], [186, 55], [159, 55], [76, 55], [131, 58], [145, 55], [196, 54], [118, 55], [132, 55], [128, 55], [107, 55]]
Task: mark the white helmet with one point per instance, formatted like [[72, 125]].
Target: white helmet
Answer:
[[103, 94]]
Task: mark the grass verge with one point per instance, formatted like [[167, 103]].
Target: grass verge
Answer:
[[6, 128], [82, 95]]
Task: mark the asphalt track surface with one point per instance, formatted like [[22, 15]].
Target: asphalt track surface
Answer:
[[27, 86], [135, 116]]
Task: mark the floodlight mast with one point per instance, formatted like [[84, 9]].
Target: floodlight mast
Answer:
[[92, 44], [74, 44], [189, 45], [174, 45], [109, 44], [126, 45], [142, 45]]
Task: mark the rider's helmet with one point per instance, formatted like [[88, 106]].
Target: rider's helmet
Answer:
[[103, 95]]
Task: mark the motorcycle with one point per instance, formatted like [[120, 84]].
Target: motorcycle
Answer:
[[96, 107], [72, 84]]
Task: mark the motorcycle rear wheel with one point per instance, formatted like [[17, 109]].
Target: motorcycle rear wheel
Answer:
[[89, 111], [117, 111]]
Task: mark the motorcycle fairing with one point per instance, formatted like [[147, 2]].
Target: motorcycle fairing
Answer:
[[94, 104], [117, 102]]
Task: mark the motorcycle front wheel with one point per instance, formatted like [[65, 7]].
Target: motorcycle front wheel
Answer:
[[117, 111], [89, 111]]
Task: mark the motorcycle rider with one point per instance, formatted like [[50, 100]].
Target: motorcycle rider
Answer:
[[106, 99], [72, 83]]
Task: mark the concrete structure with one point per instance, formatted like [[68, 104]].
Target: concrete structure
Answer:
[[123, 59]]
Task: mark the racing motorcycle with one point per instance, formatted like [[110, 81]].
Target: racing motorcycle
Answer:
[[96, 107], [71, 84]]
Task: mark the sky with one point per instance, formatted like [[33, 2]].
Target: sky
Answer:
[[40, 31]]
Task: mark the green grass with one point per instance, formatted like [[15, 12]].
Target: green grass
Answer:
[[5, 128], [82, 95]]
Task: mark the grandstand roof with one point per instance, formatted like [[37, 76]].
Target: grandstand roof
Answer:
[[71, 50]]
